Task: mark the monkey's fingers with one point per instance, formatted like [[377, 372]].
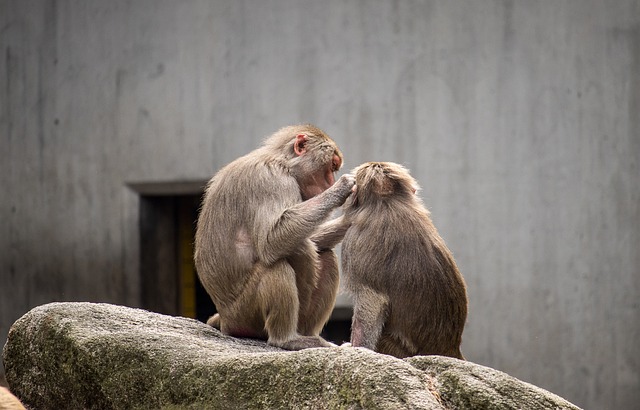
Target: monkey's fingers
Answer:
[[347, 184], [348, 179]]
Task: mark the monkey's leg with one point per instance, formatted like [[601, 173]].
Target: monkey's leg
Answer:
[[323, 297], [369, 315], [277, 297], [391, 345]]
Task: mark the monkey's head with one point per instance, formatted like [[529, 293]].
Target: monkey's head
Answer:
[[378, 181], [310, 156]]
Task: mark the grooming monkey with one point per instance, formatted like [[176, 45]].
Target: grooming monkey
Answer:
[[260, 250], [409, 297]]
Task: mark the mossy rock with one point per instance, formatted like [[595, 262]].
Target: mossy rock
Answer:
[[100, 356]]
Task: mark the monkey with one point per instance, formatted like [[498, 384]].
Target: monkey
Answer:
[[263, 246], [409, 296]]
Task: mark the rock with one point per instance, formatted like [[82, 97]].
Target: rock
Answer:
[[99, 356], [465, 385]]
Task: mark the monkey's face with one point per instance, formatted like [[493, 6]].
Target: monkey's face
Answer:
[[377, 181], [318, 160]]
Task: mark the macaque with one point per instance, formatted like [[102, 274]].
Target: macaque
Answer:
[[262, 251], [409, 297]]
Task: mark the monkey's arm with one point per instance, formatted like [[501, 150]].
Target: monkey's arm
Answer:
[[329, 234], [369, 315], [281, 237]]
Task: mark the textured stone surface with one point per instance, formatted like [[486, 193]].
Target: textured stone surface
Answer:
[[465, 385], [86, 355]]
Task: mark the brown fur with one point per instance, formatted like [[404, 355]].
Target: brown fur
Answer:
[[260, 251], [409, 297]]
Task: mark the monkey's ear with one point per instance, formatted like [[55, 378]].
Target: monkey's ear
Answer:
[[300, 146]]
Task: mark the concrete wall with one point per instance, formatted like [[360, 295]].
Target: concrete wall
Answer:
[[520, 119]]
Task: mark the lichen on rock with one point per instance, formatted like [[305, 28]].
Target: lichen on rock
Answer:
[[100, 356]]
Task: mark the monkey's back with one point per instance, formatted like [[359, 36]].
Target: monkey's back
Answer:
[[228, 238], [393, 248]]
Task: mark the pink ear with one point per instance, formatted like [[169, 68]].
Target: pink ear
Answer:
[[299, 146]]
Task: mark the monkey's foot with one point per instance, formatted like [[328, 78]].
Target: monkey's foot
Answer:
[[214, 321], [302, 342]]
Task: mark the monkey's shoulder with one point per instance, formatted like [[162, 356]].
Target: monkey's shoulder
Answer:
[[389, 216], [406, 239], [252, 181], [252, 166]]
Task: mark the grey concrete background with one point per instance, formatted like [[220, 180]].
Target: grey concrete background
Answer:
[[520, 119]]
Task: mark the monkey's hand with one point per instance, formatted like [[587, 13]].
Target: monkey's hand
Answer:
[[343, 187]]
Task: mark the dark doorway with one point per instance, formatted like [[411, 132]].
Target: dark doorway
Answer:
[[170, 283]]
